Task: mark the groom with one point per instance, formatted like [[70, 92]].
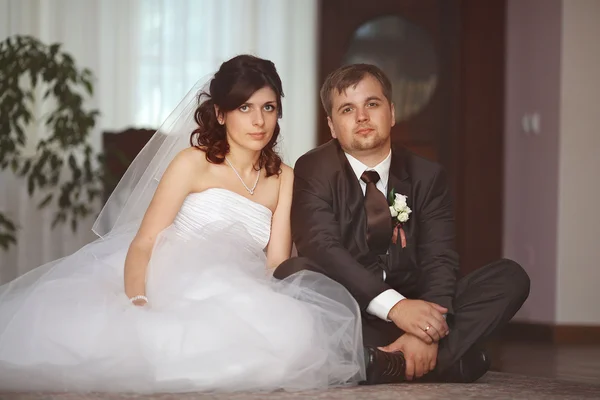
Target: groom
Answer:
[[419, 320]]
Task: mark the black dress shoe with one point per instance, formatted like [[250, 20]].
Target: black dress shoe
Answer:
[[384, 367], [471, 366]]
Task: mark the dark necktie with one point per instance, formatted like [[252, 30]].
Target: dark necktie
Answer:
[[379, 219]]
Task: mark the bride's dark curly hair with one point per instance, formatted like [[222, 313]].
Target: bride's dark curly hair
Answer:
[[234, 83]]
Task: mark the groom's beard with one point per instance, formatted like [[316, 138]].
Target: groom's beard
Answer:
[[373, 141]]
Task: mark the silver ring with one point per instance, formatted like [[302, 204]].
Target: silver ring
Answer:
[[427, 328]]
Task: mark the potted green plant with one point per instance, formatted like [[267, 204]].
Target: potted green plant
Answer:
[[64, 167]]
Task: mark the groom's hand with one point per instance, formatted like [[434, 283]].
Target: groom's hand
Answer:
[[420, 357], [420, 318]]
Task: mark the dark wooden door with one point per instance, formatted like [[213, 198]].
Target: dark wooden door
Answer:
[[446, 61]]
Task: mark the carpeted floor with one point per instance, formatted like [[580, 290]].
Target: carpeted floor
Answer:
[[495, 385]]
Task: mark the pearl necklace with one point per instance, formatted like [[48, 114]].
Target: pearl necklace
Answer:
[[251, 191]]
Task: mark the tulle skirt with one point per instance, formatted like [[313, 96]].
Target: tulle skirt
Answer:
[[217, 321]]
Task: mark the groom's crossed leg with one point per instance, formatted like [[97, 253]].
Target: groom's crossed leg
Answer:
[[485, 300]]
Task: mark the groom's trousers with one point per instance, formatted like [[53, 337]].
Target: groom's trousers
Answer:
[[485, 300]]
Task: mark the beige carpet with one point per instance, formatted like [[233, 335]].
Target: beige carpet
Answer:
[[494, 385]]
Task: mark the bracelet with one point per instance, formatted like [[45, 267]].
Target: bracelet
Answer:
[[138, 297]]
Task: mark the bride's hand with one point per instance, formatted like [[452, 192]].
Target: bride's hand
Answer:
[[139, 303], [139, 300]]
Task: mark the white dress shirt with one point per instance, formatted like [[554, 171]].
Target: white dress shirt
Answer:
[[381, 305]]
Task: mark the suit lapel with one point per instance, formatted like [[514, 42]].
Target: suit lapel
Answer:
[[398, 178], [399, 181]]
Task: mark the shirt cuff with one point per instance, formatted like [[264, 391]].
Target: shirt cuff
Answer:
[[381, 305]]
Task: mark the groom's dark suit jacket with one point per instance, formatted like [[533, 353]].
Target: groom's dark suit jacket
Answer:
[[329, 227]]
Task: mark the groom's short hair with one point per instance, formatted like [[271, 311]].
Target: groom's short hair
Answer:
[[350, 75]]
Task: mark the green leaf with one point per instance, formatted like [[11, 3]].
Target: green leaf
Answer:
[[391, 196], [26, 116], [8, 224], [30, 184], [6, 239], [42, 180], [54, 49], [72, 162], [26, 168], [46, 201], [88, 87], [59, 217], [67, 59], [21, 140]]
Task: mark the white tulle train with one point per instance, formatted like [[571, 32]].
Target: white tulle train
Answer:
[[217, 320]]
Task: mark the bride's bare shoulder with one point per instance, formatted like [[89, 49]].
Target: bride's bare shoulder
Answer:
[[287, 172], [191, 158], [286, 169]]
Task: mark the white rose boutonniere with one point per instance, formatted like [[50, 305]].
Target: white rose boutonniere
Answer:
[[399, 209], [400, 212]]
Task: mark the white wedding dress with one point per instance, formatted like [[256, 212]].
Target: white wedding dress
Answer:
[[216, 319]]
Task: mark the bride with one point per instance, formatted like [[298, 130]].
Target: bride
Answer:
[[177, 294]]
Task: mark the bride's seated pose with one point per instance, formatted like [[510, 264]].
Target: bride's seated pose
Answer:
[[177, 293]]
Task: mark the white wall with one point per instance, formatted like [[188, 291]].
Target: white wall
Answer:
[[531, 160], [578, 296], [552, 179]]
